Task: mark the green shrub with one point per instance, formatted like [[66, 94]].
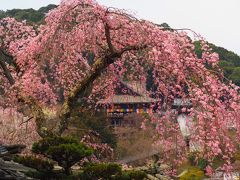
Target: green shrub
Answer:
[[68, 154], [42, 146], [33, 162], [43, 175], [51, 176], [104, 171], [236, 156], [132, 175], [200, 162], [193, 173], [66, 151]]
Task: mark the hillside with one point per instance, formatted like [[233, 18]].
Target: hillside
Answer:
[[30, 15], [229, 61]]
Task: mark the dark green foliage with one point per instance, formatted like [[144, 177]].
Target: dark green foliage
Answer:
[[33, 162], [47, 8], [223, 53], [227, 67], [198, 50], [51, 175], [2, 14], [37, 175], [110, 172], [44, 167], [42, 146], [132, 175], [45, 175], [193, 173], [104, 171], [235, 76], [166, 27], [199, 162], [229, 61], [226, 55], [30, 15], [68, 154], [66, 151], [202, 163]]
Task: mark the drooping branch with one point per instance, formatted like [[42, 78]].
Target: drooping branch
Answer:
[[36, 110]]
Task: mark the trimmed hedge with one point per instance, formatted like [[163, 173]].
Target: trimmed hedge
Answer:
[[132, 175], [105, 171], [110, 171], [35, 163]]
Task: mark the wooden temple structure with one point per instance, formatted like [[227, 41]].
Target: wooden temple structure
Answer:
[[129, 97]]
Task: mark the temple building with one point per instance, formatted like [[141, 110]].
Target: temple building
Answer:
[[129, 98]]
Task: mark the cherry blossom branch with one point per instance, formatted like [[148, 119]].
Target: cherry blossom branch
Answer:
[[36, 110]]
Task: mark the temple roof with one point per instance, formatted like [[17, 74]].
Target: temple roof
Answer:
[[135, 86], [139, 90], [126, 99]]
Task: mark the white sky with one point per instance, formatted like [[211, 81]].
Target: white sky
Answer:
[[216, 20]]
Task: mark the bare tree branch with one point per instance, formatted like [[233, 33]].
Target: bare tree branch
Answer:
[[26, 121]]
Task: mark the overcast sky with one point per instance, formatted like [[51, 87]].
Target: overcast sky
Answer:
[[216, 20]]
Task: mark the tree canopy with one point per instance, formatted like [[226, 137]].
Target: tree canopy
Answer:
[[30, 15], [46, 74]]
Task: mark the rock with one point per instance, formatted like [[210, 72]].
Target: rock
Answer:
[[142, 168], [14, 149], [10, 165], [161, 177], [57, 168], [151, 177], [7, 150], [3, 150], [76, 167], [182, 173], [12, 170], [163, 167]]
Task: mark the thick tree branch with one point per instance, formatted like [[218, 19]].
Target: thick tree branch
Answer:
[[10, 60], [108, 38], [81, 89], [6, 71]]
